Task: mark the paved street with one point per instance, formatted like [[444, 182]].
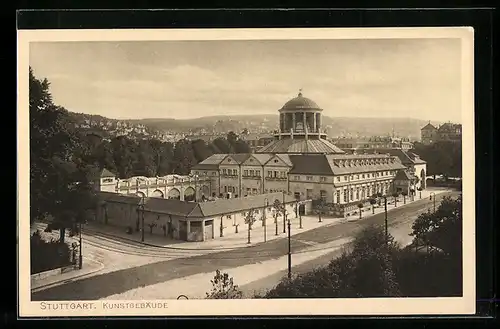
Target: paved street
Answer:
[[179, 264]]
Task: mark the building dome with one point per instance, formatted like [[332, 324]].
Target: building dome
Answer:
[[300, 103]]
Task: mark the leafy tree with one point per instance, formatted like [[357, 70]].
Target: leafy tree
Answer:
[[145, 164], [441, 229], [123, 156], [51, 140], [364, 271], [373, 202], [47, 255], [250, 220], [360, 206], [183, 157], [232, 138], [223, 287], [223, 145], [240, 146], [201, 150]]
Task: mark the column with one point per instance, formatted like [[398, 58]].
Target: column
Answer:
[[304, 123], [188, 229], [315, 129], [293, 121], [213, 228], [203, 230]]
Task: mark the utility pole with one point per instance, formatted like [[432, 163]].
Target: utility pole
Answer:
[[386, 224], [289, 251], [284, 213], [80, 258], [264, 219]]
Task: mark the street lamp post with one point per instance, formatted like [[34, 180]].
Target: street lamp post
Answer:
[[284, 219], [433, 197], [386, 228], [275, 215], [289, 250], [298, 214], [141, 206], [264, 218], [80, 257]]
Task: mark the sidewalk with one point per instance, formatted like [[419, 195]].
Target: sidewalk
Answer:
[[390, 203], [232, 240], [90, 266]]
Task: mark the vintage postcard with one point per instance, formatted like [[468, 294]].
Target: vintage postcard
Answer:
[[232, 172]]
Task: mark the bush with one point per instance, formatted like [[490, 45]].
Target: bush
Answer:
[[48, 255], [365, 271], [223, 287]]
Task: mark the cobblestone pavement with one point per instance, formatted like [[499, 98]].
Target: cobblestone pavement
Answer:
[[119, 281]]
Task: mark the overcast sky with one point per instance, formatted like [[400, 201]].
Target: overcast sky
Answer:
[[417, 78]]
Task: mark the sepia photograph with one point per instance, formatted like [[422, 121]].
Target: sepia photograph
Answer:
[[277, 171]]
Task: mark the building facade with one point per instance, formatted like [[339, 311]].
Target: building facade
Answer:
[[353, 144], [192, 221], [445, 132], [302, 163]]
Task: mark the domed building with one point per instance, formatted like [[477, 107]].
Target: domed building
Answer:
[[300, 130], [302, 163]]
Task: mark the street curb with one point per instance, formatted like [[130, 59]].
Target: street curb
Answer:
[[75, 278]]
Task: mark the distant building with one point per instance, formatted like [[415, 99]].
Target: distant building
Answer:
[[257, 141], [445, 132], [352, 144], [428, 134]]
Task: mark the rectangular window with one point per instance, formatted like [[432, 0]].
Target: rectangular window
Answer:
[[245, 172], [214, 173], [322, 195], [223, 171], [363, 176], [309, 178], [338, 196], [338, 179], [309, 193], [357, 176], [352, 194], [225, 189], [275, 174], [322, 179], [345, 178], [296, 177], [345, 195], [252, 173], [257, 173], [235, 172], [269, 173], [254, 191]]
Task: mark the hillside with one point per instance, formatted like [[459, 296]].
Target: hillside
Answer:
[[339, 126]]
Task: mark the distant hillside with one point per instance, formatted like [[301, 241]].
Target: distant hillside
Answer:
[[340, 126]]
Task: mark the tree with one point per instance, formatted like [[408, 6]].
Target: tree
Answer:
[[278, 210], [183, 157], [223, 287], [223, 145], [442, 229], [363, 271], [232, 138], [201, 150], [404, 194], [249, 220], [240, 146], [123, 156], [373, 202], [51, 140], [360, 206], [145, 164], [395, 196]]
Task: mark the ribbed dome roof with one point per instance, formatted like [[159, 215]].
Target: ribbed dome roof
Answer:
[[300, 103]]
